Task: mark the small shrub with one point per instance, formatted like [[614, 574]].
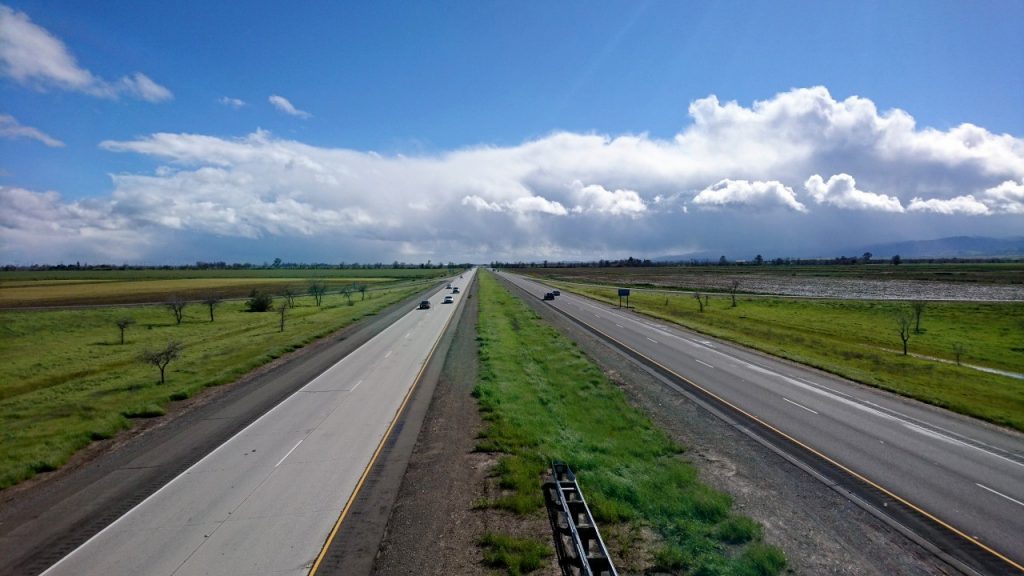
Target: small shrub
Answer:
[[148, 411], [259, 302], [761, 560], [670, 558], [517, 555], [180, 395], [737, 530]]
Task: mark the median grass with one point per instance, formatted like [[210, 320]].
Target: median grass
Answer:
[[543, 400], [66, 380], [860, 340]]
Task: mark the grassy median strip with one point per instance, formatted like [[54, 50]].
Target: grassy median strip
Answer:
[[543, 400], [860, 340], [66, 379]]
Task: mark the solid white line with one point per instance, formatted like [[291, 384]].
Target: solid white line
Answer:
[[388, 354], [652, 339], [999, 494], [356, 386], [289, 453], [704, 363], [798, 405]]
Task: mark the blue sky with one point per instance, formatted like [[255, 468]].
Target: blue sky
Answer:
[[484, 114]]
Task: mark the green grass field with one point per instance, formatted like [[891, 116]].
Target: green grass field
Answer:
[[860, 340], [543, 400], [74, 288], [66, 380]]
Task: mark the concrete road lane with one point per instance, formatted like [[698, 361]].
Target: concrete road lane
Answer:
[[966, 473], [265, 501]]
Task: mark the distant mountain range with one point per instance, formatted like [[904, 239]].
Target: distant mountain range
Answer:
[[952, 247]]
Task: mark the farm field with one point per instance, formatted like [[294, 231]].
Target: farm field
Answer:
[[542, 399], [860, 340], [974, 282], [20, 289], [67, 380]]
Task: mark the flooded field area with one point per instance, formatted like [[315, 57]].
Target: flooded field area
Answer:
[[998, 283], [844, 288]]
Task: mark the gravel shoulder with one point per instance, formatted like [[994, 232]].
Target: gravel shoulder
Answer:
[[434, 526]]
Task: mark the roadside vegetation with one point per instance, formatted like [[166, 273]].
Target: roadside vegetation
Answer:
[[543, 400], [67, 379], [863, 340]]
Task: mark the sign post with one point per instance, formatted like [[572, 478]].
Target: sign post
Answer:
[[623, 292]]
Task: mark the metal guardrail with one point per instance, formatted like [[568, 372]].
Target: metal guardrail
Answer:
[[581, 552]]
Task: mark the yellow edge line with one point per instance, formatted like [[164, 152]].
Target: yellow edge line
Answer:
[[810, 449], [376, 453]]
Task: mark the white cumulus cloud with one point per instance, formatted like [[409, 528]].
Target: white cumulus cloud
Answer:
[[596, 199], [841, 191], [232, 102], [282, 104], [10, 128], [960, 205], [1007, 198], [745, 194], [571, 195], [30, 55]]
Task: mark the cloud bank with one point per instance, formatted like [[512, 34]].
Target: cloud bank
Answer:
[[798, 174], [31, 56]]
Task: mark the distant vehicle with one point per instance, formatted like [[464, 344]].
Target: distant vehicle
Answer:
[[455, 290], [549, 296], [449, 286], [448, 300], [425, 305], [556, 292]]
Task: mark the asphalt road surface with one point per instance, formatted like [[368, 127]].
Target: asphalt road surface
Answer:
[[965, 476], [266, 501]]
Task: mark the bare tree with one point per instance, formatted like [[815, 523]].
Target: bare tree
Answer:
[[918, 307], [161, 358], [346, 291], [284, 308], [289, 295], [177, 305], [362, 291], [211, 301], [699, 301], [124, 323], [317, 289], [904, 320], [959, 350], [733, 286]]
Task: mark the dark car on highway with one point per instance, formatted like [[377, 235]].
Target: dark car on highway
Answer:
[[549, 296], [424, 305]]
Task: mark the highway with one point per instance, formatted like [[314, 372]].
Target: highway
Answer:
[[267, 500], [965, 476]]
